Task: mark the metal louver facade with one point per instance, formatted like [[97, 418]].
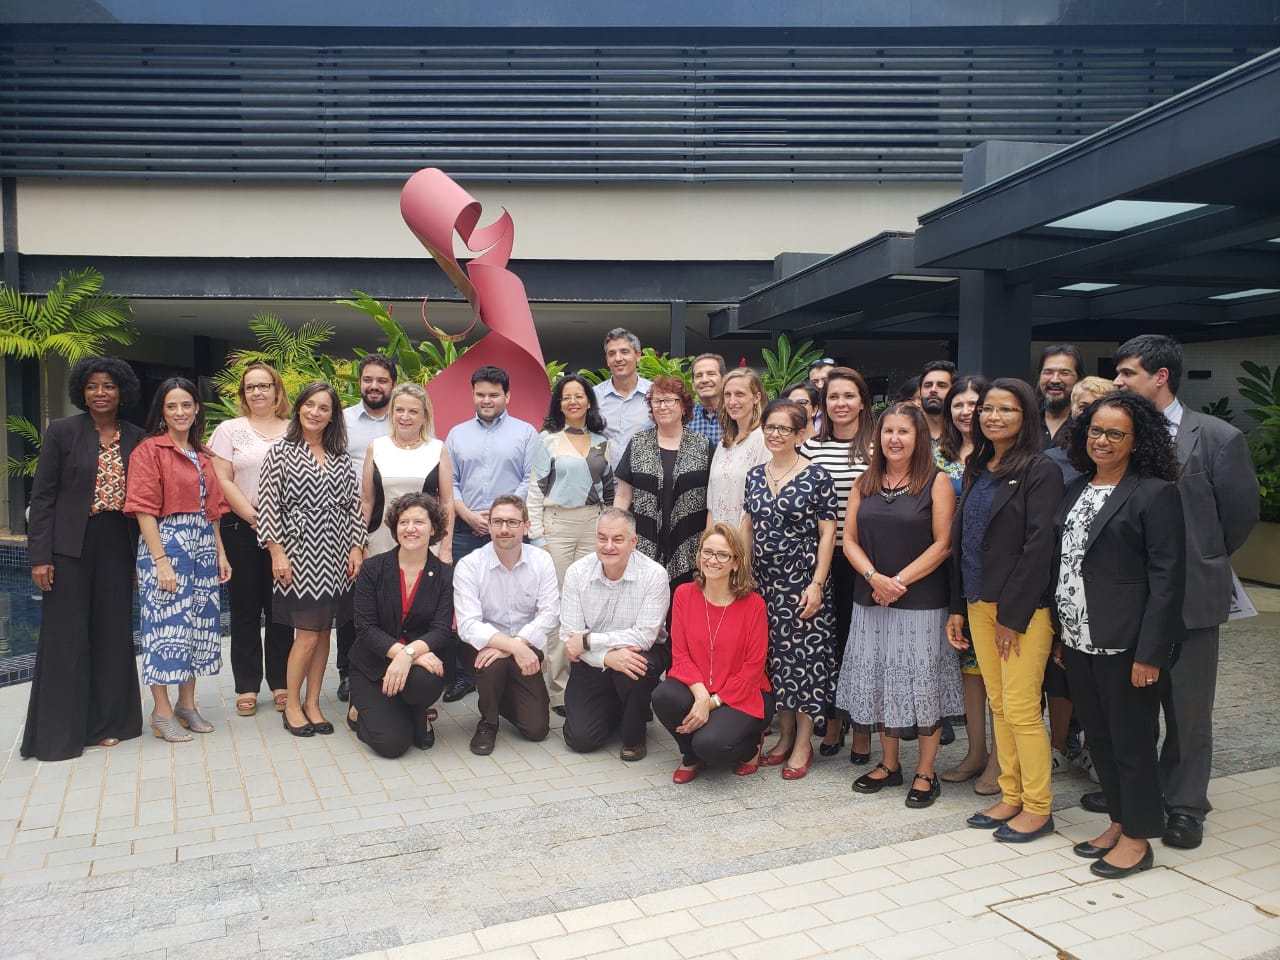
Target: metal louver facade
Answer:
[[561, 113]]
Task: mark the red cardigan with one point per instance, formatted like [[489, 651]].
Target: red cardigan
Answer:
[[162, 481], [735, 668]]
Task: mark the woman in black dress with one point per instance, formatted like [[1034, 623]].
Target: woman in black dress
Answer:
[[85, 688]]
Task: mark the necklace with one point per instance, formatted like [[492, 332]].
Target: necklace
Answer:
[[712, 634], [576, 431], [407, 446], [777, 481], [891, 491]]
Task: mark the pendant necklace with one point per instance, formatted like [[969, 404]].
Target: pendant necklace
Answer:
[[713, 634]]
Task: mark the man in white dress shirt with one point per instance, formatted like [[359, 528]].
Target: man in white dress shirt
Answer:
[[624, 397], [613, 607], [506, 601]]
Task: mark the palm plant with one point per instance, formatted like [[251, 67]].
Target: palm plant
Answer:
[[25, 465], [787, 365], [74, 320], [418, 362]]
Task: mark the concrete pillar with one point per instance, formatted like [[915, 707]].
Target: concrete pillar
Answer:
[[995, 325], [678, 340]]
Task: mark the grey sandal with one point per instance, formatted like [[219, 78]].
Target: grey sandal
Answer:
[[168, 729], [192, 720]]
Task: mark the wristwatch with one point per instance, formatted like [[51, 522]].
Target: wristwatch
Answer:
[[405, 649], [871, 572], [586, 640], [716, 702]]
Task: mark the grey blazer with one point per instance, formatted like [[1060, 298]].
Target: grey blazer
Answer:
[[1220, 503]]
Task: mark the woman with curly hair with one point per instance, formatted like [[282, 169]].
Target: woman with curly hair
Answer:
[[1122, 554], [84, 691]]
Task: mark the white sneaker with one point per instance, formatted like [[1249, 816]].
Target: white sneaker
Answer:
[[1084, 761]]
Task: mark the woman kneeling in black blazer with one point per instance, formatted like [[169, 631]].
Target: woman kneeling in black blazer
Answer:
[[404, 624], [1122, 557]]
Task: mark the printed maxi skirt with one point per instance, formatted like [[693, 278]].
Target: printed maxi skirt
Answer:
[[181, 631]]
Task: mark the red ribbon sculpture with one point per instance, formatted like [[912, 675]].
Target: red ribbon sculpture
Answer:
[[434, 207]]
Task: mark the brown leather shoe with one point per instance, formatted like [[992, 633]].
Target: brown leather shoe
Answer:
[[632, 754], [484, 739]]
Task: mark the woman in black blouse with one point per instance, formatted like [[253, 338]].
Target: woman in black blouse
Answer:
[[662, 480], [85, 688], [1120, 580], [404, 625]]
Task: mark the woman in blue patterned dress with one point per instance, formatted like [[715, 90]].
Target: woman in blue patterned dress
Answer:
[[177, 500], [790, 522]]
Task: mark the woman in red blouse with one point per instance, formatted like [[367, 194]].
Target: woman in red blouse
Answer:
[[716, 699]]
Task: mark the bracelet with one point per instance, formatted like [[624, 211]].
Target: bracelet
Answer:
[[716, 702], [163, 556]]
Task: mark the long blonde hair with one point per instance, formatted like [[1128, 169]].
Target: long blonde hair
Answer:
[[729, 426], [410, 389], [741, 582]]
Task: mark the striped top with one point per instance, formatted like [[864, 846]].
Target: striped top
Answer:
[[833, 456]]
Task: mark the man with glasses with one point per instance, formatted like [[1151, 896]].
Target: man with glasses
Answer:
[[506, 601], [366, 421], [612, 609], [706, 371], [624, 397], [1061, 367]]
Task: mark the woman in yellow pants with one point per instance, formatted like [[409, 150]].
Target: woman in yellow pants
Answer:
[[1003, 543]]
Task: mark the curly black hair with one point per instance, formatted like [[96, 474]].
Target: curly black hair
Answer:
[[555, 416], [121, 374], [1153, 452], [435, 513]]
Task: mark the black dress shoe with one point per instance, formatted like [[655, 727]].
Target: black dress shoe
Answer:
[[306, 730], [484, 739], [1006, 833], [1183, 832], [1100, 868], [1094, 802], [344, 688], [1089, 851], [948, 732], [859, 759], [460, 687], [869, 784], [980, 821], [424, 738], [919, 799]]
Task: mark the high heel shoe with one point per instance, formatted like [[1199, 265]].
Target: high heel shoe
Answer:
[[306, 730], [798, 773], [168, 729], [192, 720]]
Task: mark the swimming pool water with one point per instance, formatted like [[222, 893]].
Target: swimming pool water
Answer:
[[19, 612]]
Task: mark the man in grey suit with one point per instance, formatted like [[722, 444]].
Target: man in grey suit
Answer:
[[1220, 502]]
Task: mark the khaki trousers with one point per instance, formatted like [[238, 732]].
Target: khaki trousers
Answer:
[[570, 534]]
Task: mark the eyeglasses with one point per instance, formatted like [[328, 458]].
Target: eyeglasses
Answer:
[[719, 556], [503, 523], [1114, 436], [666, 402], [259, 387], [804, 402], [1003, 412], [778, 429]]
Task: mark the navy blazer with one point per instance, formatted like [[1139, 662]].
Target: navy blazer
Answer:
[[1135, 567], [1017, 552], [378, 611], [62, 491]]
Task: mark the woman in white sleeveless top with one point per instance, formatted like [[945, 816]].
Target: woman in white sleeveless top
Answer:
[[741, 447], [408, 460]]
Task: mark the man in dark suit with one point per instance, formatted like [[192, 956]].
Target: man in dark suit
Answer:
[[1220, 503]]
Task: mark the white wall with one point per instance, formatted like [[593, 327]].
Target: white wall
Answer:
[[1222, 359]]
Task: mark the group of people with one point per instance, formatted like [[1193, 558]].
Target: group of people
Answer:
[[716, 560]]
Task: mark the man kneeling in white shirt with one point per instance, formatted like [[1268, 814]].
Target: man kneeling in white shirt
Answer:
[[506, 602], [613, 607]]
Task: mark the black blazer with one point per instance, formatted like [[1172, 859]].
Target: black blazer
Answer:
[[62, 491], [377, 611], [1135, 567], [1017, 552]]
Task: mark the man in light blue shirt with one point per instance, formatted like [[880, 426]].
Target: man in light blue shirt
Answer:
[[624, 397]]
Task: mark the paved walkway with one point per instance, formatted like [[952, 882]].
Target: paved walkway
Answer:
[[250, 843]]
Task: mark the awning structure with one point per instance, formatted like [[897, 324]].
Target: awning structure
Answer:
[[1168, 220]]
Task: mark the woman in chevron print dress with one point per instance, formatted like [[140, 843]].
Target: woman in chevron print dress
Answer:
[[309, 518]]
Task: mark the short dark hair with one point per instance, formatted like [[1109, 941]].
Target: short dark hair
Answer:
[[1153, 451], [1064, 349], [952, 442], [946, 366], [379, 360], [794, 412], [812, 392], [1026, 446], [435, 513], [622, 333], [510, 500], [922, 469], [670, 384], [907, 389], [1155, 350], [492, 374], [555, 416], [334, 438], [155, 424], [121, 375]]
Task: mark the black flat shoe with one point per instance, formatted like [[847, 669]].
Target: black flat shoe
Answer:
[[948, 733], [859, 759], [306, 730], [919, 799], [980, 821], [1088, 851], [324, 727], [1100, 868], [460, 687], [344, 689], [425, 739], [869, 784], [1094, 802], [1006, 833], [831, 749], [1183, 832]]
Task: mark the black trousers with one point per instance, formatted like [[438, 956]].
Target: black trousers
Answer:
[[346, 640], [842, 578], [85, 686], [1119, 723], [729, 737], [598, 702], [254, 635], [1187, 755], [387, 724], [503, 691]]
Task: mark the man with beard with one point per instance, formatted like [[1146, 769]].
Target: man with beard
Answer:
[[935, 384], [492, 456], [1061, 366], [366, 421]]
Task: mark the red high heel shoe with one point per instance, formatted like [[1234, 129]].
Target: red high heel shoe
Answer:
[[686, 774], [798, 773]]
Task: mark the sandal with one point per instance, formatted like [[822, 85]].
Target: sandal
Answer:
[[281, 697], [919, 799], [247, 704], [109, 742], [869, 784]]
